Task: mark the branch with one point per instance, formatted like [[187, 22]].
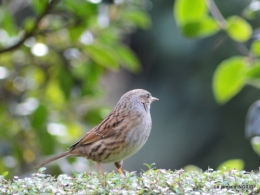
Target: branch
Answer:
[[30, 33], [223, 23], [216, 14]]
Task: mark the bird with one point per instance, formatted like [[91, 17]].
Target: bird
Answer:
[[119, 135]]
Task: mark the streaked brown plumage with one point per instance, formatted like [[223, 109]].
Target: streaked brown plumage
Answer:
[[121, 134]]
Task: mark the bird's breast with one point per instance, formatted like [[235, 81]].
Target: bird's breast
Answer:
[[135, 136]]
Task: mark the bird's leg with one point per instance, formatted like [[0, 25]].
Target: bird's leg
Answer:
[[99, 168], [101, 173], [119, 166]]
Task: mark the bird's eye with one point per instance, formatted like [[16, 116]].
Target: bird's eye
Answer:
[[148, 95]]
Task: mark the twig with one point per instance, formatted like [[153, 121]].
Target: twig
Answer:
[[223, 24], [216, 14], [30, 33]]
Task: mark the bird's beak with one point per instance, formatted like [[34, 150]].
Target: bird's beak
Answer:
[[154, 99]]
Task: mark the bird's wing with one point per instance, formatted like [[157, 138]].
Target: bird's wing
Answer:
[[105, 129]]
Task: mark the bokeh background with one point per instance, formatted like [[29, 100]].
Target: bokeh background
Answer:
[[77, 60]]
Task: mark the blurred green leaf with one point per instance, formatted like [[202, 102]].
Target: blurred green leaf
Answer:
[[2, 166], [46, 141], [28, 24], [128, 58], [53, 92], [39, 5], [7, 22], [229, 78], [42, 169], [81, 71], [103, 55], [189, 11], [237, 164], [89, 74], [256, 145], [81, 8], [38, 76], [75, 33], [39, 116], [254, 71], [65, 81], [191, 168], [92, 76], [253, 75], [255, 48], [140, 18], [193, 18], [75, 130], [96, 115], [5, 173], [252, 10], [203, 27], [110, 37], [238, 29], [93, 72]]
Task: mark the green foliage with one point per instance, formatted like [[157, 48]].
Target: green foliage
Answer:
[[128, 59], [233, 73], [153, 181], [237, 164], [7, 22], [229, 78], [51, 64], [39, 116], [138, 18], [185, 11], [193, 18], [103, 55], [238, 29], [255, 143], [255, 48]]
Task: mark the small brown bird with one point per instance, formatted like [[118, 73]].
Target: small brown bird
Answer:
[[121, 134]]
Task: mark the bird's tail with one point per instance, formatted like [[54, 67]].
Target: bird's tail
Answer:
[[54, 158]]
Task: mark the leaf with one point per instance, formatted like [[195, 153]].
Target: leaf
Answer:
[[42, 169], [39, 116], [255, 48], [237, 164], [103, 56], [29, 23], [204, 27], [5, 173], [128, 58], [75, 33], [252, 10], [75, 130], [39, 5], [81, 8], [94, 116], [191, 168], [110, 36], [7, 22], [38, 76], [255, 142], [46, 141], [140, 18], [193, 18], [228, 79], [188, 11], [253, 75], [254, 71], [65, 82], [54, 93], [238, 29]]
